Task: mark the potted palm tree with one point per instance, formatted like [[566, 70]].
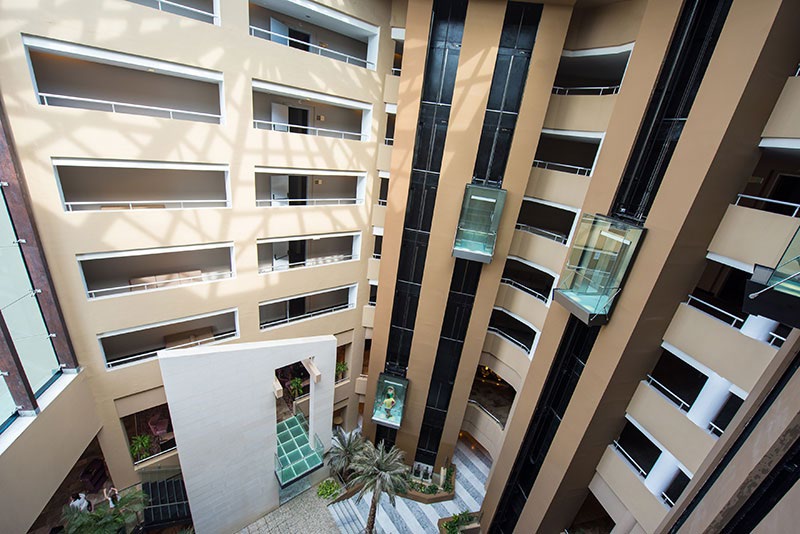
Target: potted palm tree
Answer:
[[379, 471], [104, 519], [344, 448]]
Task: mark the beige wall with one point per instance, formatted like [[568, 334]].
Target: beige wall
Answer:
[[583, 113], [783, 121]]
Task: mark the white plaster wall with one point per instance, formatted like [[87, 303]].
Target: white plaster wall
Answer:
[[223, 413]]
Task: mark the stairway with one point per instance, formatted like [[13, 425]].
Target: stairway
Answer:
[[347, 517], [168, 503]]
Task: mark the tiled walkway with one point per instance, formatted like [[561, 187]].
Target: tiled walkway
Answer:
[[472, 469]]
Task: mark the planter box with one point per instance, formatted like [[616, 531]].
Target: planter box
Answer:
[[470, 528]]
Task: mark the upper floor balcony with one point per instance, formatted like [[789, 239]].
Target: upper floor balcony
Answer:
[[280, 108], [282, 254], [315, 29], [547, 220], [513, 329], [118, 273], [132, 345], [782, 131], [523, 275], [275, 313], [77, 76], [277, 188], [595, 72], [566, 151], [202, 10], [110, 185]]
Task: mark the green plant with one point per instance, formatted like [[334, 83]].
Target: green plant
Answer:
[[344, 448], [341, 368], [431, 489], [458, 520], [296, 386], [379, 471], [104, 519], [328, 489], [447, 486], [141, 446]]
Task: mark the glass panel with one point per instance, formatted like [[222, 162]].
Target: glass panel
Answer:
[[7, 405], [787, 273], [21, 310], [478, 223], [390, 400], [598, 262]]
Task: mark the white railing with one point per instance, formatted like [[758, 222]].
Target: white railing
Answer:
[[287, 202], [682, 404], [376, 256], [796, 207], [714, 429], [213, 19], [776, 340], [156, 455], [388, 141], [159, 284], [508, 337], [733, 319], [308, 130], [485, 410], [587, 90], [315, 313], [150, 204], [542, 233], [382, 202], [118, 107], [153, 353], [628, 457], [522, 287], [563, 167], [395, 71], [314, 49], [310, 262], [667, 500]]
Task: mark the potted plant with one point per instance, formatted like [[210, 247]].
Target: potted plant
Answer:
[[341, 369], [296, 386], [141, 446]]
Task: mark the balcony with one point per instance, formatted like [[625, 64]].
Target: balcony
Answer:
[[297, 455], [546, 220], [512, 329], [202, 10], [277, 313], [315, 29], [595, 72], [306, 251], [773, 292], [109, 185], [539, 250], [280, 108], [125, 272], [568, 152], [149, 434], [677, 381], [597, 265], [277, 188], [476, 234], [141, 343], [534, 281], [557, 187], [391, 119], [492, 394], [782, 130], [76, 76]]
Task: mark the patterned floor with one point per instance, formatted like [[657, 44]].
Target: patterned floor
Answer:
[[409, 516]]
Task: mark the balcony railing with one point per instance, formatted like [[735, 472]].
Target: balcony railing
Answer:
[[704, 306], [542, 233], [588, 90], [485, 410], [382, 202], [508, 337], [376, 256], [395, 71], [156, 455], [388, 141], [667, 500], [682, 404], [159, 284], [315, 313], [526, 289], [145, 204], [50, 99], [621, 449], [311, 262], [312, 48], [776, 340], [563, 167], [212, 18], [153, 353], [283, 202], [793, 207], [308, 130]]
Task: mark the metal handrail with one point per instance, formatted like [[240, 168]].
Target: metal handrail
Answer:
[[776, 284], [388, 141], [666, 499], [213, 17], [682, 404], [599, 90], [152, 353], [144, 286], [775, 338], [486, 411], [130, 204], [287, 202], [314, 49], [714, 429], [526, 289], [542, 233], [508, 337], [770, 201], [628, 457], [309, 130], [728, 314], [382, 202], [395, 71], [315, 313], [574, 169], [311, 262], [156, 455], [43, 98], [376, 256]]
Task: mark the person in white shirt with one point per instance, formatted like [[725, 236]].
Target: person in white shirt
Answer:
[[79, 502]]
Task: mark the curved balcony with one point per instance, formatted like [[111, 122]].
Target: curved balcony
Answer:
[[513, 360], [484, 427], [540, 250]]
